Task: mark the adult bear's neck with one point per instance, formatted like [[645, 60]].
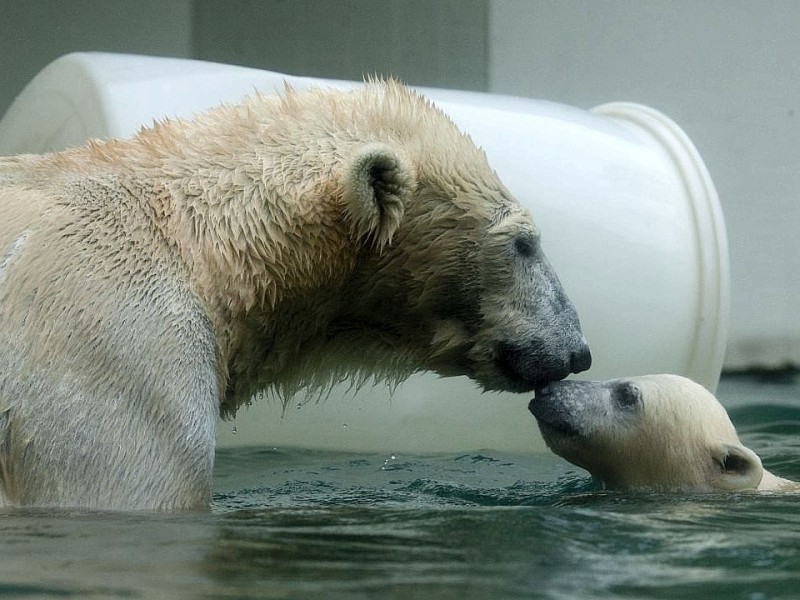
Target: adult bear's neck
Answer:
[[267, 263]]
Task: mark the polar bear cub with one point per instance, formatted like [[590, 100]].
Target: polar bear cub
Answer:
[[656, 432]]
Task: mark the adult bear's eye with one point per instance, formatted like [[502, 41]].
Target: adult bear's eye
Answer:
[[627, 395], [525, 246]]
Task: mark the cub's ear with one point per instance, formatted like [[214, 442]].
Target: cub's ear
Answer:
[[737, 468], [376, 184]]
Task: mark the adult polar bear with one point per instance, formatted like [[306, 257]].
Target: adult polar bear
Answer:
[[148, 285]]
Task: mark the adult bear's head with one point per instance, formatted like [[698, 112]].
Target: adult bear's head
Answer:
[[451, 276]]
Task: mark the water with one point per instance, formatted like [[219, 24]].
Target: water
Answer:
[[301, 524]]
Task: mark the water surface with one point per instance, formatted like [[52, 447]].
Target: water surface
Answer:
[[290, 523]]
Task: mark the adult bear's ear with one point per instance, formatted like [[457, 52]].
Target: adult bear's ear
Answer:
[[376, 184], [738, 468]]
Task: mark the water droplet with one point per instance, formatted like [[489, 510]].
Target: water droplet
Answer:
[[386, 462], [344, 426], [233, 431]]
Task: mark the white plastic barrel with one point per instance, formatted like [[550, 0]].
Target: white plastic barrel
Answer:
[[630, 220]]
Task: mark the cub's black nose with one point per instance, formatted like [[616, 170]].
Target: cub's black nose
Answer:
[[580, 360]]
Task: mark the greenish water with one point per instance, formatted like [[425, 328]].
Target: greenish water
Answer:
[[299, 524]]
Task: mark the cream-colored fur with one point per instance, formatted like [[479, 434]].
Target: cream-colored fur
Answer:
[[661, 432], [146, 285]]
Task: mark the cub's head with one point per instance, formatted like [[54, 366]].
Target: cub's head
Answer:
[[658, 432], [451, 276]]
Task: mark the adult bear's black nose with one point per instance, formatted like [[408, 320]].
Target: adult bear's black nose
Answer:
[[580, 360]]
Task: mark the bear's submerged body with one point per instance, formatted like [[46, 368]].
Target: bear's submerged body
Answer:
[[147, 285], [97, 395]]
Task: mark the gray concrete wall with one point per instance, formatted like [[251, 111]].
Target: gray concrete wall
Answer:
[[34, 33], [440, 43]]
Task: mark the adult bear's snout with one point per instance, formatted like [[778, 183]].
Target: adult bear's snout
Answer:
[[581, 359], [527, 366]]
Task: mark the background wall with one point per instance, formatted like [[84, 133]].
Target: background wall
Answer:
[[441, 43], [728, 71], [32, 34]]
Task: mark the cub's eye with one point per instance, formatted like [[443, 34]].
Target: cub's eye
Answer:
[[525, 246], [627, 395]]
